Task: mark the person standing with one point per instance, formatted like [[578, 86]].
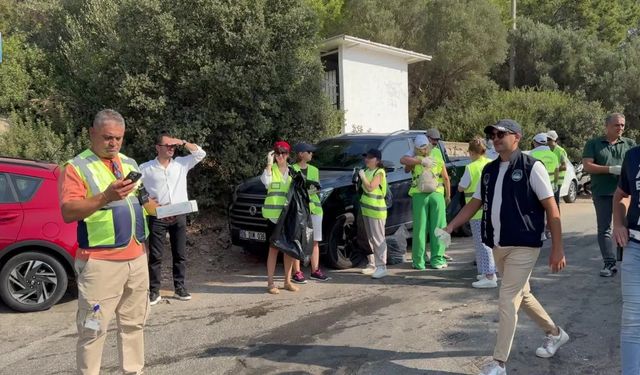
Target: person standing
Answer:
[[374, 209], [626, 232], [111, 263], [304, 154], [467, 185], [165, 179], [550, 160], [602, 158], [514, 193], [563, 159]]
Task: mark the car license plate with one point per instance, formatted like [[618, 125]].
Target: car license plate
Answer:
[[251, 235]]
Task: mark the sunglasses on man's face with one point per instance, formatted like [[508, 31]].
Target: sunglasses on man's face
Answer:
[[498, 135]]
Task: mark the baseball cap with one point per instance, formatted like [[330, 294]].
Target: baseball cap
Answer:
[[420, 140], [552, 135], [303, 147], [374, 153], [433, 133], [281, 145], [540, 138], [505, 125]]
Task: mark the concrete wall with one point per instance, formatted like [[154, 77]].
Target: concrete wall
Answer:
[[374, 90]]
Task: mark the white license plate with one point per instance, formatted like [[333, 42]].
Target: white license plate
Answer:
[[251, 235]]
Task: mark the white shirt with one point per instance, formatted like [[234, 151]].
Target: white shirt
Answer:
[[169, 185], [539, 181]]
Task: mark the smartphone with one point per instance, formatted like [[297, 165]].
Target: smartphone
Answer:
[[133, 176]]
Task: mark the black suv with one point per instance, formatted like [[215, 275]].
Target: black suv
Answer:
[[336, 158]]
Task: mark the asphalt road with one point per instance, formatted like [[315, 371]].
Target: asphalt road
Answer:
[[412, 322]]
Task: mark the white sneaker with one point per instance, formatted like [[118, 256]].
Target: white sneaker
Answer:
[[480, 277], [493, 368], [380, 273], [368, 270], [485, 283], [552, 344]]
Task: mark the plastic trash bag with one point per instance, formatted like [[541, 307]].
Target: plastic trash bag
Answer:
[[293, 233], [443, 237], [397, 246]]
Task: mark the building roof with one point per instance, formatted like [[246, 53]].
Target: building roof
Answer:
[[350, 41]]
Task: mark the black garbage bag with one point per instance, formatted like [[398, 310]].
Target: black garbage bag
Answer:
[[397, 246], [293, 233]]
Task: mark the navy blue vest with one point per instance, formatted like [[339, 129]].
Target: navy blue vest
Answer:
[[630, 183], [521, 213]]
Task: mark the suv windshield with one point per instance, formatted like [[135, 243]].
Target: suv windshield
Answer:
[[342, 153]]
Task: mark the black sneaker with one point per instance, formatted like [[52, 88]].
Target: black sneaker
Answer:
[[154, 297], [608, 270], [182, 294]]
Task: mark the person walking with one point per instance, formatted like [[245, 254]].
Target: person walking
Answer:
[[626, 233], [550, 160], [514, 193], [111, 262], [429, 208], [304, 154], [373, 208], [467, 185], [563, 159], [165, 179], [602, 159], [277, 179]]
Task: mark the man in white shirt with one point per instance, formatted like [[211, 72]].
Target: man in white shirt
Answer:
[[165, 179], [515, 193]]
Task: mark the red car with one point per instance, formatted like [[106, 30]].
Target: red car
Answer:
[[36, 247]]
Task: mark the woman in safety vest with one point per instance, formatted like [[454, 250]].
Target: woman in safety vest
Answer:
[[304, 153], [277, 180], [468, 184], [374, 211]]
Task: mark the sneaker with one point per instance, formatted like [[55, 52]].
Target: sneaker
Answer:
[[552, 344], [480, 277], [440, 266], [368, 270], [298, 278], [182, 294], [319, 276], [608, 270], [493, 368], [154, 298], [485, 283], [380, 273], [448, 258]]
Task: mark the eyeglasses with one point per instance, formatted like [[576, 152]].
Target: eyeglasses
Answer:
[[169, 146], [498, 134]]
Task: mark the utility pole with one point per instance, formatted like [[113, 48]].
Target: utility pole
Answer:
[[512, 51]]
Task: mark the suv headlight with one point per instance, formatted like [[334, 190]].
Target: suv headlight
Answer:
[[324, 193]]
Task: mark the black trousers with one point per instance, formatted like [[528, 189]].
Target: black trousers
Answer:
[[178, 238]]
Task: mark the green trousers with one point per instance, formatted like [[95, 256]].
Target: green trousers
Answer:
[[429, 213]]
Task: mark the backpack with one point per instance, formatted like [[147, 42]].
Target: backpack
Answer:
[[388, 196], [427, 182]]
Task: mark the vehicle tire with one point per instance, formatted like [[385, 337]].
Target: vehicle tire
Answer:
[[572, 193], [341, 244], [32, 281]]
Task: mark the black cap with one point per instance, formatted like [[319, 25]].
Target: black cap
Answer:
[[303, 147], [374, 153], [505, 125], [433, 133]]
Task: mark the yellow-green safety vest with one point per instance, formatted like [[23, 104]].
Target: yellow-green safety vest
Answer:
[[276, 194], [372, 203], [313, 174], [561, 153], [114, 225], [550, 161], [438, 164], [475, 171]]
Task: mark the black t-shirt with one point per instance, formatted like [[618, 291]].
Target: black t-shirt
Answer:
[[629, 183]]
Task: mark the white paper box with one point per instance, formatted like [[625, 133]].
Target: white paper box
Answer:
[[176, 209]]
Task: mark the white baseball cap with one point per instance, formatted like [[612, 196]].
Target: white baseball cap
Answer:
[[552, 134], [540, 138]]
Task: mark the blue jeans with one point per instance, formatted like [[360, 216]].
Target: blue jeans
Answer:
[[630, 330]]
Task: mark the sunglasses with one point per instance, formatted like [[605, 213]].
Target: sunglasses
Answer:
[[169, 146], [280, 153], [498, 135]]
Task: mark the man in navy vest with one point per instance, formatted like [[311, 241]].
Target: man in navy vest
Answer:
[[514, 194]]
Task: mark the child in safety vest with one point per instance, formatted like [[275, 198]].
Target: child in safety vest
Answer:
[[468, 184], [374, 212]]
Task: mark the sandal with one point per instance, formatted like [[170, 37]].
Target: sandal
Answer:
[[291, 287], [272, 289]]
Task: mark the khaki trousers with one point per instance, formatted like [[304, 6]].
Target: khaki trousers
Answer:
[[377, 240], [515, 265], [120, 288]]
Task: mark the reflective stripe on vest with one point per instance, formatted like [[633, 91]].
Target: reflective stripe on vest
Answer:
[[276, 194], [438, 164], [114, 225], [372, 202], [313, 174], [550, 161], [475, 170]]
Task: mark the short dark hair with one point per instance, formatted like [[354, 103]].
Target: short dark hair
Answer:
[[161, 135]]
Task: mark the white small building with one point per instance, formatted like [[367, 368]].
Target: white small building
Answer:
[[369, 82]]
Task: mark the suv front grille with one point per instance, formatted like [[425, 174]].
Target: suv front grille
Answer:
[[246, 212]]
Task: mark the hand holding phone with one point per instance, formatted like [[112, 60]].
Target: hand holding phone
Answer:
[[133, 176]]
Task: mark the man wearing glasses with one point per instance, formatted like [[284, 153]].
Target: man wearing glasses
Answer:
[[165, 179], [515, 193], [602, 158]]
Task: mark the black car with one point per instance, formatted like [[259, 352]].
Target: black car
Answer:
[[337, 158]]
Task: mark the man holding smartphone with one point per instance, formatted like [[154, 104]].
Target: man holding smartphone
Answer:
[[111, 263], [165, 179]]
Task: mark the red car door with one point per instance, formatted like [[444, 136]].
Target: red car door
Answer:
[[11, 214]]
